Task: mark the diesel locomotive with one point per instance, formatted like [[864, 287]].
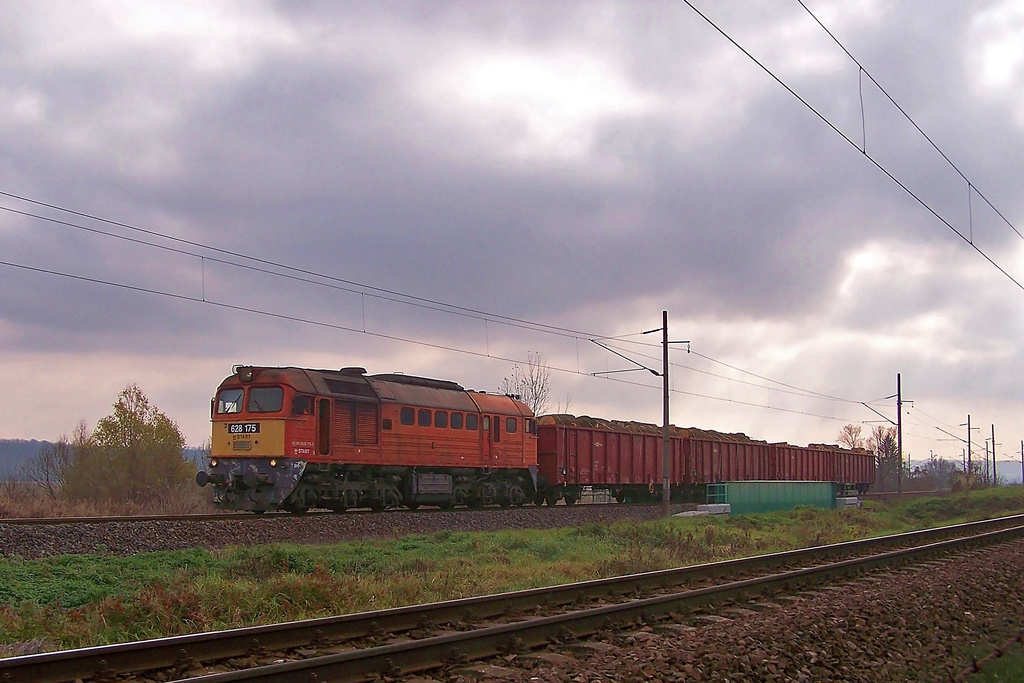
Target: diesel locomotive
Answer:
[[293, 439]]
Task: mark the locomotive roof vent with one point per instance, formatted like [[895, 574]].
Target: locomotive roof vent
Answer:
[[353, 371]]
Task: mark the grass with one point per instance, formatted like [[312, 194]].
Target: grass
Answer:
[[77, 601]]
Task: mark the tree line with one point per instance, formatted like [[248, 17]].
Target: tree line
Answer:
[[132, 456], [935, 474]]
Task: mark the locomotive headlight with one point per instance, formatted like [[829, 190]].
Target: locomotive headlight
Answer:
[[213, 463], [273, 462]]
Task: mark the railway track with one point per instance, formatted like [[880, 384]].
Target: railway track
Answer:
[[399, 641]]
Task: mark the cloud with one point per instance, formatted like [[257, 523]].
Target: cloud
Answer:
[[584, 166]]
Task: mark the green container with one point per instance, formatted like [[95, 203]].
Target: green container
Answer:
[[766, 496]]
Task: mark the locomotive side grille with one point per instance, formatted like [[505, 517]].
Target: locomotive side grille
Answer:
[[355, 423], [343, 432], [366, 423]]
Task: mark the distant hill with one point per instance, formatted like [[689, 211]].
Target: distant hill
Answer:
[[1009, 470], [13, 452]]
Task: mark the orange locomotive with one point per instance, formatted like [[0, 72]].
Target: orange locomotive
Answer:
[[293, 439]]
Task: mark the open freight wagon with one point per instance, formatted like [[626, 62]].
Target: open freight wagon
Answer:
[[625, 458]]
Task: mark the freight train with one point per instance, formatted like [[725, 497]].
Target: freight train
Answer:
[[292, 439]]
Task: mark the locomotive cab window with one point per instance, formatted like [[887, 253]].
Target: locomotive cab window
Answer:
[[229, 401], [302, 405], [265, 399], [510, 425], [407, 416], [472, 421]]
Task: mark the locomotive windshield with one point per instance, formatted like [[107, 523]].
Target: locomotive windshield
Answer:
[[229, 401], [265, 399]]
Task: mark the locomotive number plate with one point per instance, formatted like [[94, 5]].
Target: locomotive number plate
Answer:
[[244, 428]]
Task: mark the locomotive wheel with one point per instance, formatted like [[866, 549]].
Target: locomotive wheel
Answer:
[[569, 500], [551, 499], [412, 505]]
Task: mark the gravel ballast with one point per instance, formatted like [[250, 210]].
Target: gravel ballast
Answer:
[[129, 538], [920, 623]]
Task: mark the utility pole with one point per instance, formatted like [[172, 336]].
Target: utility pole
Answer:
[[666, 444], [986, 462], [666, 441], [1022, 463], [899, 432], [994, 455], [967, 469]]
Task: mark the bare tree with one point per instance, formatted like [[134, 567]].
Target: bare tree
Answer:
[[50, 467], [529, 383], [850, 436], [883, 442]]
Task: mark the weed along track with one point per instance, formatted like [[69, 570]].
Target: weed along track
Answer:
[[452, 634], [34, 538]]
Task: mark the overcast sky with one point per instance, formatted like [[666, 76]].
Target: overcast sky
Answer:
[[269, 183]]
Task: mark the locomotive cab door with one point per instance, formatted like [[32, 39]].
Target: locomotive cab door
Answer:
[[323, 428], [486, 445]]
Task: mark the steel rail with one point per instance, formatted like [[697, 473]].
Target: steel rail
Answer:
[[413, 656], [85, 663], [204, 517]]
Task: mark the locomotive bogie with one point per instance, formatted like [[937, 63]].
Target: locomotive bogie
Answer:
[[257, 484]]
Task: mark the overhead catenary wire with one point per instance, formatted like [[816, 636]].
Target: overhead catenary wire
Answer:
[[334, 326], [382, 292], [971, 187], [854, 144], [349, 286]]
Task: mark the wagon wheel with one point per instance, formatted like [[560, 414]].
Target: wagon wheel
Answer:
[[516, 496]]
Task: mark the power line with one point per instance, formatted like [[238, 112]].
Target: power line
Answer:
[[358, 288], [862, 150], [970, 185], [790, 389], [378, 335], [381, 292]]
